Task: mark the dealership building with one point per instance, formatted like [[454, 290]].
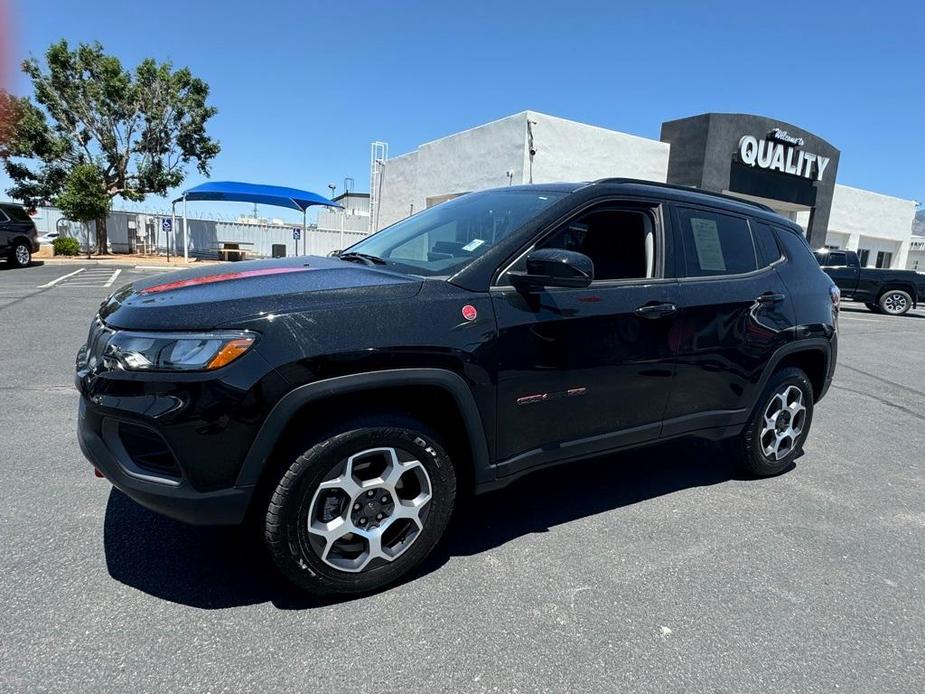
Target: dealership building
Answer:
[[781, 165]]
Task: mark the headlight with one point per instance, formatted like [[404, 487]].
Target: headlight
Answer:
[[177, 351]]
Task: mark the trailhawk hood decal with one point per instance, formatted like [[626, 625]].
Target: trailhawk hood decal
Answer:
[[220, 295]]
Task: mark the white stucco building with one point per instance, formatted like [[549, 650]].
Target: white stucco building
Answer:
[[531, 147], [498, 154]]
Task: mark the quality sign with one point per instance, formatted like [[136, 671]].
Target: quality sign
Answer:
[[780, 151]]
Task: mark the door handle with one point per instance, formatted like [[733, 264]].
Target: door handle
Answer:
[[653, 311], [770, 298]]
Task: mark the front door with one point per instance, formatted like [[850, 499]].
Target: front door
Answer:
[[584, 370]]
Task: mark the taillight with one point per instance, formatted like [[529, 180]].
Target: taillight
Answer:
[[835, 294]]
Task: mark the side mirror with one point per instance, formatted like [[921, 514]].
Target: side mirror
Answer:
[[552, 267]]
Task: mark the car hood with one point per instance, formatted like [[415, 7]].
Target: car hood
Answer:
[[222, 295]]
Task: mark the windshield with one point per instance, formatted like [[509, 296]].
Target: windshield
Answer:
[[443, 239]]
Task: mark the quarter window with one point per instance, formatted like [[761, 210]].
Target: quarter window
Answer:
[[768, 252], [716, 244]]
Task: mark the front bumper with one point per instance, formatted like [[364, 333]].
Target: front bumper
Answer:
[[170, 497]]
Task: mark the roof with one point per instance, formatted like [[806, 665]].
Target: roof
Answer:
[[280, 196], [668, 191], [350, 194]]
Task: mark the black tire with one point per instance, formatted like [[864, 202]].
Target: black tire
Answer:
[[21, 255], [874, 308], [895, 302], [749, 449], [296, 551]]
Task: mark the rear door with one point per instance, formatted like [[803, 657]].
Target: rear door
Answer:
[[733, 313]]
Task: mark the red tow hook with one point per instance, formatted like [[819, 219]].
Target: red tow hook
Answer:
[[96, 471]]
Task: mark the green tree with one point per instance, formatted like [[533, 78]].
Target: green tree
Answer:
[[139, 129], [83, 198]]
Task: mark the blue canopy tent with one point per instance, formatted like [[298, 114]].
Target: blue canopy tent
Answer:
[[233, 191]]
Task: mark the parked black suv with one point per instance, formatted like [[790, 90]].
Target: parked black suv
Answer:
[[18, 235], [882, 290], [343, 403]]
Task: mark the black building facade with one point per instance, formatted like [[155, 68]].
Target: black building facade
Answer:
[[779, 164]]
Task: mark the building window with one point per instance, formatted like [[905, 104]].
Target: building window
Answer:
[[863, 256], [830, 247], [884, 259]]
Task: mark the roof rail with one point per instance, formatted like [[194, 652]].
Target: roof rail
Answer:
[[686, 189]]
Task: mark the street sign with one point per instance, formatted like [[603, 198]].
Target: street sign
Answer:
[[167, 225], [296, 234]]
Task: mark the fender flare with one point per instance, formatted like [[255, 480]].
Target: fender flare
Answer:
[[819, 344], [284, 410]]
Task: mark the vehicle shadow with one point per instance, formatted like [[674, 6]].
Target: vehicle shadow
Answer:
[[7, 265], [214, 568], [863, 310]]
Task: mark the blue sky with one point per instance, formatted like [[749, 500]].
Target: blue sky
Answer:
[[303, 87]]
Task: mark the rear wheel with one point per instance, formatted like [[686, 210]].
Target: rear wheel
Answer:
[[779, 425], [360, 509], [21, 255], [895, 302]]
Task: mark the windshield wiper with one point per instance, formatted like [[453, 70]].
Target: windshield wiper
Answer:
[[365, 258]]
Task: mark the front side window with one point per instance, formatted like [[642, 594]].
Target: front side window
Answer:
[[716, 244], [620, 242], [442, 240]]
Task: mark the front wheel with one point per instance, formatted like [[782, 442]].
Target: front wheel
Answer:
[[895, 302], [360, 509], [778, 426], [21, 255]]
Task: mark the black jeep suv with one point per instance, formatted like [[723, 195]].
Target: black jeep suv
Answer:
[[343, 403]]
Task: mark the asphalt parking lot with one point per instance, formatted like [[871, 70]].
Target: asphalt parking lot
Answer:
[[652, 571]]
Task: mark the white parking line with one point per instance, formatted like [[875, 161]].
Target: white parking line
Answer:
[[63, 277], [113, 278]]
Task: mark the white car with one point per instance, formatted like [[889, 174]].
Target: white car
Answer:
[[48, 237]]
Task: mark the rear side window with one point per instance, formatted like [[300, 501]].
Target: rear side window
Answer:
[[765, 244], [16, 213], [716, 244]]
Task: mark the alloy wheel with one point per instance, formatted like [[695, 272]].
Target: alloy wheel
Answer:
[[895, 302], [784, 420], [369, 510], [22, 255]]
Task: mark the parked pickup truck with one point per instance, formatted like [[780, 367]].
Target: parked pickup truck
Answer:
[[882, 290]]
